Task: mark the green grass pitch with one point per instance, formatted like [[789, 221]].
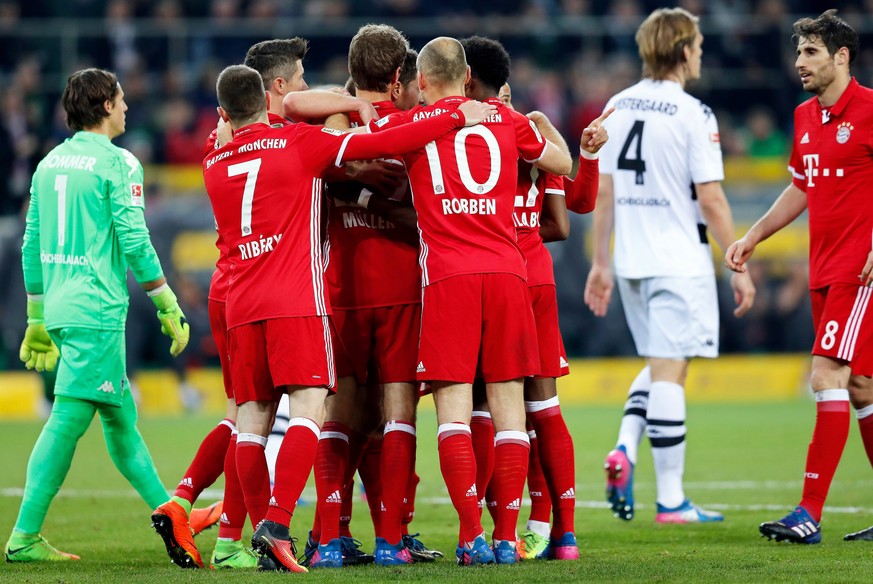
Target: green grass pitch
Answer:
[[746, 460]]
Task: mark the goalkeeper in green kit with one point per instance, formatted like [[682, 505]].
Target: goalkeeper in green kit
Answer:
[[85, 227]]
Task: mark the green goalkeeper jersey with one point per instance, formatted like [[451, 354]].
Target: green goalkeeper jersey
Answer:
[[85, 227]]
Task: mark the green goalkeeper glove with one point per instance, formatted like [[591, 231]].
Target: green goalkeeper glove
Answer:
[[37, 349], [173, 323]]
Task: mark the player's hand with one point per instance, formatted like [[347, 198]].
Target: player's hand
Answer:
[[173, 323], [595, 135], [598, 289], [737, 254], [383, 175], [366, 111], [37, 349], [744, 292], [866, 276], [476, 111]]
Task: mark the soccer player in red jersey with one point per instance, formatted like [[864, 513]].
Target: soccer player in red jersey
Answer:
[[280, 63], [831, 168], [265, 189], [476, 314]]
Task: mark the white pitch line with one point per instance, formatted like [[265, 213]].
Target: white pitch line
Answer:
[[212, 494]]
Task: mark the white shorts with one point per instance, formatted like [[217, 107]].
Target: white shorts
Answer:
[[671, 317]]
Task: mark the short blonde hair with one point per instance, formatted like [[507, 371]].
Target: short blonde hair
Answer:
[[662, 38]]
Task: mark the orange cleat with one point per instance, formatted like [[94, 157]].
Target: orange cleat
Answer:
[[205, 517], [171, 523]]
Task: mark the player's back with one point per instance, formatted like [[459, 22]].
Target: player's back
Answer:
[[463, 187], [83, 264], [662, 141], [265, 189]]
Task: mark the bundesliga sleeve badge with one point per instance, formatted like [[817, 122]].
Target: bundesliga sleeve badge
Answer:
[[136, 195]]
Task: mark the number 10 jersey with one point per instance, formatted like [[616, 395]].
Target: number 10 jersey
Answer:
[[661, 142]]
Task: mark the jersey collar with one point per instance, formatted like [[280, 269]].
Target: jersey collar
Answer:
[[844, 100], [91, 136]]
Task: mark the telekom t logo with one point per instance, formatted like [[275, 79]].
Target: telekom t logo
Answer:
[[810, 163]]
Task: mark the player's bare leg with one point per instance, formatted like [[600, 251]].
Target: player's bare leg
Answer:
[[511, 456]]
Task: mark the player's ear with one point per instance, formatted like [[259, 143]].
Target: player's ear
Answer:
[[467, 76], [222, 114], [269, 98], [108, 105], [396, 77], [842, 56]]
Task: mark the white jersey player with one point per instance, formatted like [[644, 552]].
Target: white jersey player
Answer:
[[660, 187]]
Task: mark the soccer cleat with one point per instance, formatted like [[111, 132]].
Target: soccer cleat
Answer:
[[476, 553], [34, 548], [564, 548], [353, 555], [391, 555], [532, 546], [233, 555], [620, 483], [505, 552], [171, 523], [796, 527], [864, 535], [205, 517], [308, 550], [687, 512], [271, 540], [328, 555], [419, 551]]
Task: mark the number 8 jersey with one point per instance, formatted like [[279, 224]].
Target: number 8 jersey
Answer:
[[463, 188], [661, 142]]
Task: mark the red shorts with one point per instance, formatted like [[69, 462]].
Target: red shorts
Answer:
[[553, 357], [270, 354], [386, 337], [218, 324], [477, 319], [844, 325]]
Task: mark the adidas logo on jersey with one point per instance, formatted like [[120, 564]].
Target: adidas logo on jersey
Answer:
[[224, 518], [187, 482], [471, 492], [569, 494], [273, 502], [334, 497], [564, 363], [515, 505], [420, 368], [805, 139]]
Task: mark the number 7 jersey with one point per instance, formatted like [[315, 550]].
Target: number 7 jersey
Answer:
[[463, 188], [661, 142]]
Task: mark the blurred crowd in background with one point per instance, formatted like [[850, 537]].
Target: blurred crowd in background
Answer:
[[569, 57]]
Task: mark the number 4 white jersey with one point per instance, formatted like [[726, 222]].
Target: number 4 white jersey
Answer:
[[661, 142]]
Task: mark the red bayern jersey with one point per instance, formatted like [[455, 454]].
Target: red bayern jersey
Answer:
[[463, 187], [533, 186], [832, 161], [219, 283], [372, 262]]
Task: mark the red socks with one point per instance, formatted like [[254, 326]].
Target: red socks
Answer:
[[828, 440], [251, 467], [208, 463], [558, 461], [458, 466], [293, 465], [540, 501], [397, 464], [865, 424], [482, 429], [233, 514], [409, 502], [511, 453]]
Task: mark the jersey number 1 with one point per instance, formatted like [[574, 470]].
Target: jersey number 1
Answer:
[[638, 165], [250, 169]]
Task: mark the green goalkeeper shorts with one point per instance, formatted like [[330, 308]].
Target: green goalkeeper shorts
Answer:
[[92, 365]]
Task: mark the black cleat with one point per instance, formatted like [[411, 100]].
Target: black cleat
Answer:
[[796, 527], [419, 551], [864, 535], [353, 555], [308, 551]]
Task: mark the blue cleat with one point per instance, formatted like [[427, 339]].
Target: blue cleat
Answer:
[[476, 553], [391, 555], [796, 527], [308, 550], [620, 483], [564, 548], [505, 552], [328, 555], [687, 512]]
